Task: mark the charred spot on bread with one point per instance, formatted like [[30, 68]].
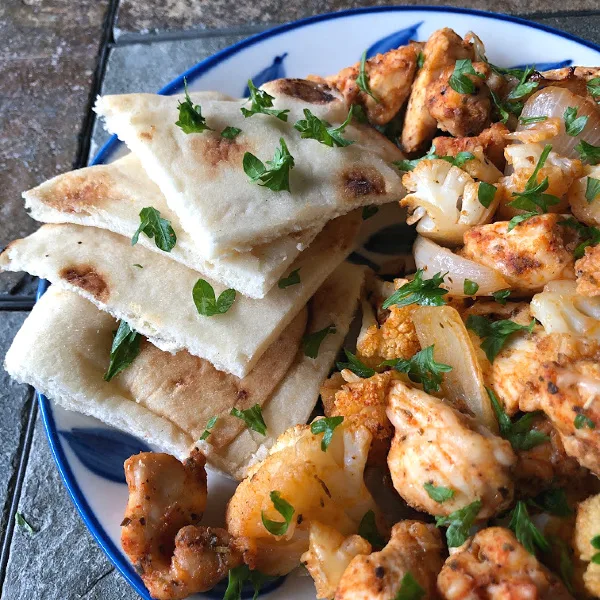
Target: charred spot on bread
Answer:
[[309, 91], [87, 278], [362, 180]]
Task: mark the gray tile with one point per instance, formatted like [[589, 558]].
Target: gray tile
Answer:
[[586, 27], [15, 401], [152, 16], [60, 561], [148, 67], [47, 59]]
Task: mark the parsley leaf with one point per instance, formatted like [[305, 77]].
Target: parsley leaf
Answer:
[[261, 103], [521, 218], [418, 291], [486, 193], [421, 368], [593, 86], [525, 530], [505, 109], [519, 433], [470, 287], [457, 161], [590, 235], [190, 116], [495, 333], [460, 81], [574, 126], [138, 266], [459, 523], [524, 87], [326, 426], [356, 366], [292, 279], [500, 296], [154, 226], [125, 347], [369, 211], [582, 421], [22, 522], [311, 342], [438, 493], [409, 588], [553, 501], [588, 152], [206, 303], [592, 189], [211, 423], [285, 509], [317, 129], [276, 176], [238, 576], [230, 133], [368, 530], [252, 417], [420, 60], [595, 541], [362, 81], [530, 120]]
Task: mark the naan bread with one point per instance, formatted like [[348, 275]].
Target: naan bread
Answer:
[[156, 300], [165, 399], [202, 177], [112, 196]]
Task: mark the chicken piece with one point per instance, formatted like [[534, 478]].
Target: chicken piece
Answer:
[[587, 527], [173, 555], [390, 78], [493, 565], [490, 140], [435, 444], [560, 171], [537, 251], [328, 555], [587, 271], [325, 486], [586, 211], [414, 548], [444, 201], [443, 48]]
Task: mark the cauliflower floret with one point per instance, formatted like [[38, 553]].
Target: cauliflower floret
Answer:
[[587, 527], [560, 171], [537, 251], [328, 555], [443, 48], [435, 444], [325, 486], [414, 548], [586, 211], [444, 201], [587, 271], [494, 565], [390, 79]]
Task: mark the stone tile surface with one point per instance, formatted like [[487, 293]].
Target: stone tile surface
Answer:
[[586, 27], [152, 16], [47, 59], [60, 561]]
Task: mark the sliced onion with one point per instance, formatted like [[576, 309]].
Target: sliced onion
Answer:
[[435, 259], [552, 102], [463, 385]]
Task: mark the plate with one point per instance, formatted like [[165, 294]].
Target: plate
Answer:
[[90, 455]]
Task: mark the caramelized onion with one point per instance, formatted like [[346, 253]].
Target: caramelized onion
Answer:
[[463, 385], [552, 102], [435, 259]]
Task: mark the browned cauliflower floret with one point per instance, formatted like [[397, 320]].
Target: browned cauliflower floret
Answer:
[[390, 78], [321, 485], [328, 555], [587, 527], [587, 271], [493, 565], [586, 211], [535, 252], [443, 48], [414, 548], [436, 444]]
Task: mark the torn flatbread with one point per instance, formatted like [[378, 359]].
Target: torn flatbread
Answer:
[[203, 180], [154, 294], [112, 196]]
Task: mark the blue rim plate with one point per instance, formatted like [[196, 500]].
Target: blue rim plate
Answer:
[[320, 44]]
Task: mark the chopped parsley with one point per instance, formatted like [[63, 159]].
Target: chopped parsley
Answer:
[[582, 421], [276, 174], [592, 189], [230, 133], [595, 541], [593, 86], [494, 334], [590, 235], [190, 116], [209, 426], [369, 211], [486, 193], [421, 368], [470, 287], [138, 265], [588, 152], [285, 509], [409, 588], [125, 348], [292, 279], [524, 87], [22, 522], [426, 292], [501, 296], [457, 161], [238, 576], [459, 523], [362, 81], [154, 226], [207, 304], [311, 127], [355, 365], [326, 426], [261, 103], [460, 81], [525, 530], [438, 493], [252, 417], [368, 530], [574, 125], [553, 501], [505, 109], [311, 342], [420, 60], [530, 120]]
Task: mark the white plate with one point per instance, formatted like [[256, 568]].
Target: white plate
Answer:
[[90, 455]]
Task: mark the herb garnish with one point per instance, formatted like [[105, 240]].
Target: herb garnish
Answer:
[[588, 152], [409, 588], [420, 60], [22, 522], [154, 226], [237, 577], [292, 279], [419, 291], [276, 175], [506, 108], [438, 493], [593, 86], [311, 342], [460, 81], [285, 509], [530, 120], [252, 417], [204, 298], [459, 523], [326, 426], [368, 530], [362, 81], [525, 530], [495, 333], [470, 287], [501, 296], [355, 365], [211, 423], [230, 133], [524, 87], [125, 347], [190, 116], [595, 541], [457, 161], [317, 129], [553, 501], [574, 125], [486, 193], [582, 421], [590, 235], [592, 189], [261, 103]]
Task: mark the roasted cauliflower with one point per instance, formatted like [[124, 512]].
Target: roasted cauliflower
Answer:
[[587, 271], [587, 527], [443, 201], [585, 205]]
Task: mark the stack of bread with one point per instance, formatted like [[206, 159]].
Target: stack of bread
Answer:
[[231, 294]]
